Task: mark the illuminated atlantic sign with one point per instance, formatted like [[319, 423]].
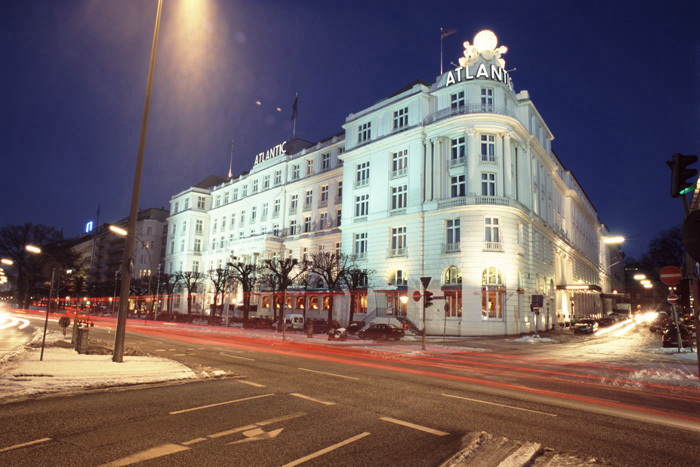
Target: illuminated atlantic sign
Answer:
[[270, 153], [482, 71], [484, 47]]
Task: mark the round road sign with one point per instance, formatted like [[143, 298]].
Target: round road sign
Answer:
[[671, 275], [672, 298], [416, 296]]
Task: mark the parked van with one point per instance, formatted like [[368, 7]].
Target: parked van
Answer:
[[292, 322]]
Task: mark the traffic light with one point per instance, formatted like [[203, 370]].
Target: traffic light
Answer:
[[428, 296], [680, 173]]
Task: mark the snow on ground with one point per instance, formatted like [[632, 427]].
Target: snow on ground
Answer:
[[23, 375]]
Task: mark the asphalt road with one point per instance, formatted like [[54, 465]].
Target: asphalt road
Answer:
[[290, 403]]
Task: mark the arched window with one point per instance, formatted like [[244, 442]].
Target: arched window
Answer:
[[493, 294], [452, 276]]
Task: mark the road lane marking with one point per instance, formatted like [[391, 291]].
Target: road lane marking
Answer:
[[330, 374], [501, 405], [311, 399], [29, 443], [193, 441], [220, 403], [326, 450], [179, 355], [257, 425], [250, 383], [414, 426], [148, 454], [159, 350], [235, 356]]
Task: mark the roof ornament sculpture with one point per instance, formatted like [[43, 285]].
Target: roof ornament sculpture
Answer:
[[485, 43]]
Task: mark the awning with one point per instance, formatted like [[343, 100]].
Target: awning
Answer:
[[580, 288]]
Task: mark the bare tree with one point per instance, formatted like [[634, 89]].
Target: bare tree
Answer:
[[168, 285], [356, 279], [190, 280], [220, 279], [29, 271], [246, 275], [331, 268], [282, 274]]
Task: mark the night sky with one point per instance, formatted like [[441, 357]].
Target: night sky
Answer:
[[616, 82]]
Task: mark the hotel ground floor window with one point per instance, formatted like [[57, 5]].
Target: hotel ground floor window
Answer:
[[300, 303], [360, 302], [493, 294], [453, 298], [398, 303]]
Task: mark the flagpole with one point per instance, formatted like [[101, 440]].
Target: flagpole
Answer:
[[294, 115], [230, 164]]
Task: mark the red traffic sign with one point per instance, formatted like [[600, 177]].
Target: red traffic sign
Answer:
[[673, 298], [416, 296], [671, 275]]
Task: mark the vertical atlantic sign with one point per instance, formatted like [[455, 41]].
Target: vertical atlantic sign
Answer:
[[270, 153]]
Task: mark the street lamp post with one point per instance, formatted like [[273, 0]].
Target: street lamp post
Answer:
[[123, 233], [118, 355], [37, 251]]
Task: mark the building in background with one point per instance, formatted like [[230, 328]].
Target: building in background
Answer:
[[455, 182]]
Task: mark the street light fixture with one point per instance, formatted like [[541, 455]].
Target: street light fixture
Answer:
[[118, 355], [613, 240], [6, 261]]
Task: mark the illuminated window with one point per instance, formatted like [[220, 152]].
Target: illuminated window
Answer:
[[493, 294], [452, 276], [457, 100], [401, 118], [313, 303]]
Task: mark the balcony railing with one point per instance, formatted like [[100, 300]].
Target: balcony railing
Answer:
[[399, 172], [457, 162], [292, 210], [451, 247], [397, 252], [323, 203], [467, 109], [493, 246], [307, 207], [492, 200]]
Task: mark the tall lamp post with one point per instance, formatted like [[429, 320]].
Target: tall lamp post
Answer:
[[37, 251], [118, 355]]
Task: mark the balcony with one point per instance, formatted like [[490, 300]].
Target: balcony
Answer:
[[465, 110], [492, 200], [323, 203], [397, 252], [307, 207], [451, 247], [457, 162], [493, 246], [361, 183], [292, 210], [399, 173]]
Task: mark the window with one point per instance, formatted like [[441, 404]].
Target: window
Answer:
[[399, 163], [293, 227], [309, 167], [295, 172], [458, 151], [184, 228], [337, 249], [486, 100], [399, 197], [323, 222], [398, 241], [452, 231], [198, 245], [493, 294], [458, 186], [244, 193], [305, 254], [233, 222], [195, 266], [401, 118], [217, 201], [488, 184], [242, 221], [398, 277], [492, 232], [362, 174], [235, 194], [307, 224], [172, 232], [266, 182], [361, 245], [488, 148], [324, 195], [253, 214], [200, 202], [263, 216], [172, 246], [457, 100], [361, 205], [222, 241], [339, 194], [293, 204], [453, 301], [308, 199], [364, 132], [226, 197], [182, 245], [452, 276], [278, 177], [325, 161], [187, 204], [214, 226], [337, 218], [276, 209]]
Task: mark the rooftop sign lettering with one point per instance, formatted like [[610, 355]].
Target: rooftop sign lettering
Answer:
[[484, 46], [270, 153]]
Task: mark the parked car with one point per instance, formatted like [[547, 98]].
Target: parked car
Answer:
[[585, 326], [670, 337], [606, 321], [381, 331], [258, 323], [661, 323], [354, 328], [321, 325], [293, 322]]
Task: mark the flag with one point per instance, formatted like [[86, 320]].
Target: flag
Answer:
[[294, 107], [446, 32]]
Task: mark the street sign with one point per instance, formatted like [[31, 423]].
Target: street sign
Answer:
[[416, 296], [425, 281], [671, 275], [673, 298]]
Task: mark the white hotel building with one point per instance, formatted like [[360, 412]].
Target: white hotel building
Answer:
[[455, 181]]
